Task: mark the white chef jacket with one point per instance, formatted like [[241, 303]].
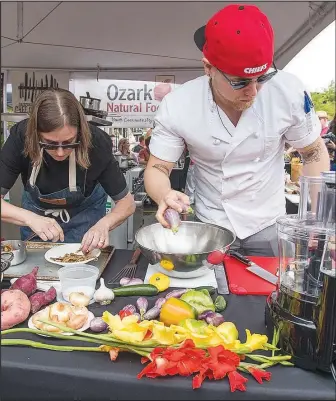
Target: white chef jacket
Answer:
[[239, 178]]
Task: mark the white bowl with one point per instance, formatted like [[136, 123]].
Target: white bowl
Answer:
[[61, 250]]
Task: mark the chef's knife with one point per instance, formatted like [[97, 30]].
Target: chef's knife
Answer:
[[254, 268], [222, 284]]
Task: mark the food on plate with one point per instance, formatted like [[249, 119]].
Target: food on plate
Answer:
[[175, 310], [134, 290], [103, 295], [26, 283], [97, 325], [200, 300], [15, 308], [160, 281], [79, 299], [73, 317], [72, 258], [41, 299]]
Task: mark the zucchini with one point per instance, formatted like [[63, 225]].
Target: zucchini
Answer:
[[211, 290], [136, 290]]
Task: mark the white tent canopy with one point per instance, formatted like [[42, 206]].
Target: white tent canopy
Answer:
[[138, 35]]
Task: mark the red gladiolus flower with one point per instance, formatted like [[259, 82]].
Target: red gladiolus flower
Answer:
[[182, 361], [260, 374], [237, 381]]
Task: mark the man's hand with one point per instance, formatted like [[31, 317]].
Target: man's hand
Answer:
[[46, 228], [96, 237], [172, 199]]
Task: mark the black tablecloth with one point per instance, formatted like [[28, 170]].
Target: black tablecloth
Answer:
[[32, 374]]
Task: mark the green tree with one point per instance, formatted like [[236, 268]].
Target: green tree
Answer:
[[325, 100]]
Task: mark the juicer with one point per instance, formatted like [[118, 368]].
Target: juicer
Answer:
[[301, 313]]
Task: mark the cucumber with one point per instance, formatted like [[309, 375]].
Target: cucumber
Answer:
[[135, 290], [211, 290]]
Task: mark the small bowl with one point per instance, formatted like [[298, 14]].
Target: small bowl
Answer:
[[18, 249], [78, 278]]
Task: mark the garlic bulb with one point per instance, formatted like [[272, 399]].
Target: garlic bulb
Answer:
[[103, 295], [79, 299]]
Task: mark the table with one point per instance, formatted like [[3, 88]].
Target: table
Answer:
[[32, 374]]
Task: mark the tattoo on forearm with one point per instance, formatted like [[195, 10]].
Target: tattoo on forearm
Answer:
[[161, 167], [312, 155]]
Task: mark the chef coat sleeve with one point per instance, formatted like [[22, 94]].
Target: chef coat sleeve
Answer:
[[306, 127], [11, 158], [166, 144]]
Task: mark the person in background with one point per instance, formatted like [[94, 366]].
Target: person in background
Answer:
[[124, 149], [243, 111], [323, 117], [67, 170], [144, 153], [137, 148]]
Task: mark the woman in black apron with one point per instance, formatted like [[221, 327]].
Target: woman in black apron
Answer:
[[68, 170]]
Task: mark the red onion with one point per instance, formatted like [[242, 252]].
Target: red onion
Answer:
[[173, 219]]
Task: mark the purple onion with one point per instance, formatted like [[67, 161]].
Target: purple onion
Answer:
[[142, 305], [152, 313], [176, 293], [124, 281], [172, 217], [205, 314], [215, 319], [97, 325], [159, 302], [130, 308]]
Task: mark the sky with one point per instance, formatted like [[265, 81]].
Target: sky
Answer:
[[315, 64]]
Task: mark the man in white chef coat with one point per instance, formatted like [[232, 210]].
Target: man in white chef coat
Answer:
[[235, 121]]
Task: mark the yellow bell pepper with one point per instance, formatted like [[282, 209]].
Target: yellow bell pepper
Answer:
[[160, 281], [167, 264], [175, 310]]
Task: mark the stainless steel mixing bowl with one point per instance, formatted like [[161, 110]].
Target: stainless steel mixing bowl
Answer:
[[188, 249]]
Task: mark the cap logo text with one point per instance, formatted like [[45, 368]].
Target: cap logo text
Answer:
[[250, 70]]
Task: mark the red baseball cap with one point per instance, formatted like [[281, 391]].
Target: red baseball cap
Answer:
[[238, 40]]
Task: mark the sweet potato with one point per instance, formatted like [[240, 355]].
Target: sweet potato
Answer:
[[41, 299], [15, 308], [27, 283]]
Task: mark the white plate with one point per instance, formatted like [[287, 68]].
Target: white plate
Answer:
[[61, 250], [91, 316]]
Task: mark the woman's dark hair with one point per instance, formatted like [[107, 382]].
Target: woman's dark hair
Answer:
[[53, 109]]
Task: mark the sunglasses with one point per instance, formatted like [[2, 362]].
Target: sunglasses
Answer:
[[62, 145], [242, 83]]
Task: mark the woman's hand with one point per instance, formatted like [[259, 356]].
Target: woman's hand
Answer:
[[96, 237], [46, 228]]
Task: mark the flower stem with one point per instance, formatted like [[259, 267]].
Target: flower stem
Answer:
[[35, 344]]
